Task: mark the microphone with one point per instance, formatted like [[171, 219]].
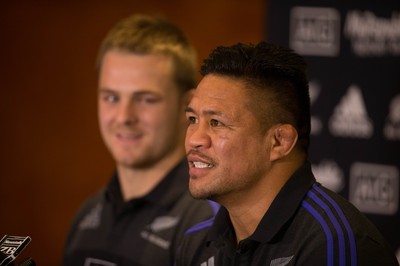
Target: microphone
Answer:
[[11, 247]]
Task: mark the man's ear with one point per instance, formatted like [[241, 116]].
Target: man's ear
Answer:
[[284, 139]]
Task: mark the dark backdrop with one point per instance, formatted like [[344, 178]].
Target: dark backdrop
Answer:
[[353, 51], [51, 154]]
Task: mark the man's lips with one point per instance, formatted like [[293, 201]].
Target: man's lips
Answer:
[[201, 165], [199, 161], [128, 137]]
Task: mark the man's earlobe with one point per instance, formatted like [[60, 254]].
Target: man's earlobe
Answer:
[[285, 138]]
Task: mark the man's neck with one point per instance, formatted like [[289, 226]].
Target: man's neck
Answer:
[[138, 182], [248, 208], [247, 212]]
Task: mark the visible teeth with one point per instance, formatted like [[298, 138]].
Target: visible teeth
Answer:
[[201, 165]]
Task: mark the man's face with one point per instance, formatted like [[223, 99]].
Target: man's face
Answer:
[[226, 148], [139, 108]]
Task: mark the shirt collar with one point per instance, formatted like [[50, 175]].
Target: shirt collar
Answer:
[[221, 227], [285, 204], [164, 194], [281, 210]]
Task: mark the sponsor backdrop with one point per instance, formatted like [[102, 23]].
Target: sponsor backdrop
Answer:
[[353, 51]]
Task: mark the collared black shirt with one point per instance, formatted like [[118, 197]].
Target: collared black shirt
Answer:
[[306, 224], [144, 231]]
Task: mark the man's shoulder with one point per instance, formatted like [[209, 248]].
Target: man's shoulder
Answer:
[[91, 204], [194, 249], [193, 211], [91, 201], [331, 220]]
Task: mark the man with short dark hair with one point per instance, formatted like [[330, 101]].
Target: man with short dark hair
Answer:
[[247, 147]]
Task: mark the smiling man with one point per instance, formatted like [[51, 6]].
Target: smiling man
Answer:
[[247, 145], [146, 69]]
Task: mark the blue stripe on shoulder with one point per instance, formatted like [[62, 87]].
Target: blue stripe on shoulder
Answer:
[[207, 223], [352, 241], [214, 206], [200, 226], [328, 204], [336, 225], [326, 229]]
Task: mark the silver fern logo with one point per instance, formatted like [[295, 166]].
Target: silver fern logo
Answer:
[[160, 224], [92, 219], [163, 223]]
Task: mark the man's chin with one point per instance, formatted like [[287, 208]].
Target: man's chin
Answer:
[[198, 197], [136, 164], [200, 194]]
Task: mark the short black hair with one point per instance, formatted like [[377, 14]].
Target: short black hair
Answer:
[[277, 80]]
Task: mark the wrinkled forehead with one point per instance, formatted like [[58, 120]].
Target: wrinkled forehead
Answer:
[[219, 95], [220, 88]]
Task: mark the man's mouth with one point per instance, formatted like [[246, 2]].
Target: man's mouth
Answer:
[[128, 136], [202, 165], [200, 161]]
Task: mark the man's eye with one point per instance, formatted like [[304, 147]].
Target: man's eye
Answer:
[[215, 123], [192, 120], [148, 99], [111, 98]]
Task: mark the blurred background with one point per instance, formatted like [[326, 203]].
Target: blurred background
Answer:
[[51, 153], [52, 157]]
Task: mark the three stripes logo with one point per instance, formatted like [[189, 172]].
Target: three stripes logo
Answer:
[[318, 200]]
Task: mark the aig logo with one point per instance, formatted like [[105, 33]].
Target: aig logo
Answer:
[[315, 31], [374, 188]]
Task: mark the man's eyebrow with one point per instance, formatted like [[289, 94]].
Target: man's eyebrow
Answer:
[[136, 93], [107, 90], [205, 112], [189, 110]]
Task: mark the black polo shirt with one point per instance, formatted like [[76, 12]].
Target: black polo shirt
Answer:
[[306, 224], [144, 231]]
